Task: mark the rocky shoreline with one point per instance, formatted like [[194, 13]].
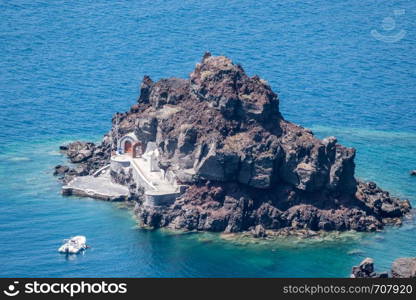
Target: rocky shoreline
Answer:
[[404, 267], [240, 165]]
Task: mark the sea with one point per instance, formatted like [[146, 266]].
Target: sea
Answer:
[[341, 68]]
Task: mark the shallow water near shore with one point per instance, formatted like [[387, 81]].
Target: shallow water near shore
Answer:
[[68, 67]]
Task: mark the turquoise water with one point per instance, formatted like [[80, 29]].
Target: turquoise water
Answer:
[[67, 66]]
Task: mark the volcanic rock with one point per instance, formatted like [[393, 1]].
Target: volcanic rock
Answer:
[[244, 167], [364, 269], [404, 267], [60, 170]]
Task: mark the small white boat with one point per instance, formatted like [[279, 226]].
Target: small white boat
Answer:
[[74, 245]]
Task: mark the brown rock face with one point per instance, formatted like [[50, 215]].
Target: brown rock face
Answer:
[[404, 267], [246, 168], [226, 87]]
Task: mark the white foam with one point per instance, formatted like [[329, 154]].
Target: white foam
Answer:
[[19, 158]]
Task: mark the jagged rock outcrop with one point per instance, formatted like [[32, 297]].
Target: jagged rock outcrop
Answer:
[[366, 270], [404, 267], [245, 167], [86, 156]]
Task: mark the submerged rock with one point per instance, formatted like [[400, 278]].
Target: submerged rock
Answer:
[[60, 170], [220, 134]]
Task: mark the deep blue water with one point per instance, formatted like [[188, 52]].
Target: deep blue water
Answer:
[[67, 66]]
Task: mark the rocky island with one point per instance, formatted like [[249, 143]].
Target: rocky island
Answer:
[[212, 152]]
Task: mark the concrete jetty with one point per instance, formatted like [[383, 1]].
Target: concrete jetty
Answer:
[[159, 189], [100, 187]]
